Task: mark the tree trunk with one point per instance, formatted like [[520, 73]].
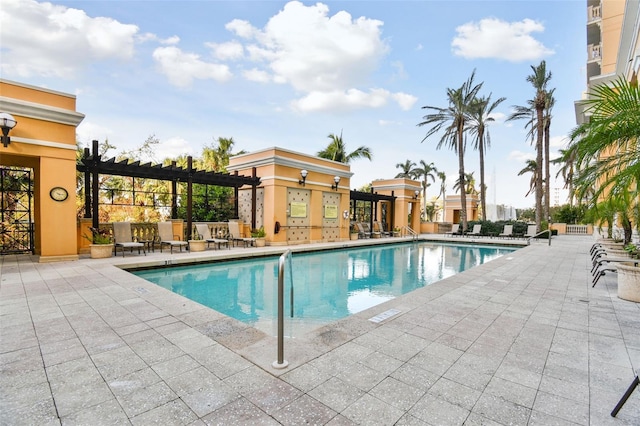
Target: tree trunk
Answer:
[[463, 195], [547, 178], [483, 191], [539, 151]]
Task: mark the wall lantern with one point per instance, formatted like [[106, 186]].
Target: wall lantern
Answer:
[[304, 174], [416, 194], [336, 179], [7, 122]]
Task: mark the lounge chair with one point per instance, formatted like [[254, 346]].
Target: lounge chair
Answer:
[[205, 233], [455, 230], [362, 233], [236, 236], [165, 232], [507, 232], [123, 237], [476, 231], [377, 227], [531, 231]]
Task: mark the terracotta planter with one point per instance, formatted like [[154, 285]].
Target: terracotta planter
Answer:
[[101, 251], [261, 242], [628, 282], [196, 245], [354, 236]]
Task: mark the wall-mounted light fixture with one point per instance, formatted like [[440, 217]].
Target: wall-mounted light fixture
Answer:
[[304, 174], [416, 194], [336, 179], [7, 122]]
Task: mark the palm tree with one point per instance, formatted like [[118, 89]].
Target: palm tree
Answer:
[[469, 184], [608, 148], [530, 167], [481, 110], [567, 162], [539, 79], [336, 151], [549, 103], [216, 157], [443, 190], [425, 171], [406, 168], [453, 120]]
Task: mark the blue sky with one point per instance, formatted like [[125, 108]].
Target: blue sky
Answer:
[[287, 74]]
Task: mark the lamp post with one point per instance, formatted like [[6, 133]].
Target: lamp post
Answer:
[[7, 122]]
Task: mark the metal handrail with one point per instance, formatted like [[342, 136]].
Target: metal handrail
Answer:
[[280, 362], [546, 231], [411, 232]]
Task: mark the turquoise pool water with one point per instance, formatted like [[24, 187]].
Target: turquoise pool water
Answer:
[[327, 285]]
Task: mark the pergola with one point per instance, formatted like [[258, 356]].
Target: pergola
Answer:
[[92, 166], [373, 198]]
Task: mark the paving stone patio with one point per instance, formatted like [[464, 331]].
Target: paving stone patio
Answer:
[[521, 340]]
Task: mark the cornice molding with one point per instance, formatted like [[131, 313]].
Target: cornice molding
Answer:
[[40, 111]]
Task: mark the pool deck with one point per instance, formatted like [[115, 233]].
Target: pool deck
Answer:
[[521, 340]]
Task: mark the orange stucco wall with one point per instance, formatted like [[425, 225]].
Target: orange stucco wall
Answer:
[[44, 139], [279, 170], [407, 206]]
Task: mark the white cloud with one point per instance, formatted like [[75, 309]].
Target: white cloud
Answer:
[[172, 148], [88, 131], [405, 100], [241, 28], [257, 75], [231, 50], [520, 156], [350, 99], [50, 40], [182, 68], [389, 123], [324, 57], [498, 117], [494, 38], [558, 141], [171, 41]]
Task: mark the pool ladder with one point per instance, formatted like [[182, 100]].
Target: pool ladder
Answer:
[[281, 362], [408, 231]]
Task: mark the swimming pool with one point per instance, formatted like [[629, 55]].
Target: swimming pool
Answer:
[[327, 285]]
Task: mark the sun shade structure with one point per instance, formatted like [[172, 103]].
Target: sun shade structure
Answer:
[[92, 166]]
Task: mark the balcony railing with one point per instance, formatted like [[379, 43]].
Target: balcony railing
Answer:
[[595, 52], [594, 13]]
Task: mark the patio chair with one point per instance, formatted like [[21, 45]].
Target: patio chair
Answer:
[[236, 236], [531, 231], [507, 232], [455, 230], [377, 227], [165, 232], [476, 231], [362, 233], [205, 233], [123, 237]]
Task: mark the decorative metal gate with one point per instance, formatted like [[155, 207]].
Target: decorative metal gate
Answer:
[[16, 219]]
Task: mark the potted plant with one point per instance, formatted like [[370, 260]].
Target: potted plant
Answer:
[[101, 243], [353, 233], [259, 235], [196, 243], [396, 231]]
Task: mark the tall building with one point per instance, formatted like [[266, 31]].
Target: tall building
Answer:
[[613, 45]]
